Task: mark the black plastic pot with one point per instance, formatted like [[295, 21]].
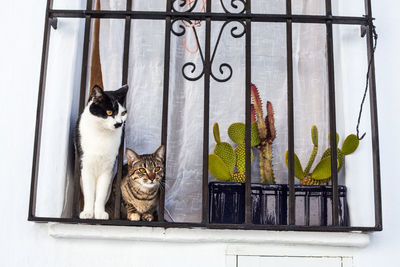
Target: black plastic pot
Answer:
[[313, 204]]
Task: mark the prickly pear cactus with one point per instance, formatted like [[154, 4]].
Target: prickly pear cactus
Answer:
[[308, 180], [340, 156], [240, 152], [350, 144], [322, 171], [236, 133], [226, 163], [238, 177], [218, 168], [314, 138]]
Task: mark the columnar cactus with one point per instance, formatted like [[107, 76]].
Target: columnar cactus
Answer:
[[322, 171], [266, 133], [228, 164]]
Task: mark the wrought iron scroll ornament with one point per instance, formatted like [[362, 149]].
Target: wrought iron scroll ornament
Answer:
[[179, 26], [238, 8], [238, 29], [184, 5], [236, 33], [180, 30]]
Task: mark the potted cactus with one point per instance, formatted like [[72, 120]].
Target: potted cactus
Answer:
[[313, 186], [269, 200], [227, 164]]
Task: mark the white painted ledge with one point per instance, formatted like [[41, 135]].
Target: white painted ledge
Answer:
[[179, 235]]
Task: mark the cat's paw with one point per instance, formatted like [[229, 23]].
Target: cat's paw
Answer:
[[86, 214], [147, 217], [101, 215], [134, 217]]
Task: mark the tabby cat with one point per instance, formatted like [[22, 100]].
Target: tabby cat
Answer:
[[141, 183], [97, 139]]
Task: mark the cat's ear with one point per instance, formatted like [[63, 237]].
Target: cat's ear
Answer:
[[160, 152], [131, 156], [97, 94], [121, 93]]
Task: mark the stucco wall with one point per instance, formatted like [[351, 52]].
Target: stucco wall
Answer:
[[28, 244]]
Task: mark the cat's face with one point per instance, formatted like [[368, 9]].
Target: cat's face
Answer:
[[107, 107], [146, 171]]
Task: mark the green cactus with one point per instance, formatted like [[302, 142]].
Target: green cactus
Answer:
[[236, 133], [322, 171], [266, 133], [314, 137], [226, 163]]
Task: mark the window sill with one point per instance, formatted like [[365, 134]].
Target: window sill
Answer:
[[179, 235]]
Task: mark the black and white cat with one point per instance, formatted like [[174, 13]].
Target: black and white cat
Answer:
[[98, 136]]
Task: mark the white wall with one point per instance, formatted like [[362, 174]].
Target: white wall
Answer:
[[385, 245], [24, 243]]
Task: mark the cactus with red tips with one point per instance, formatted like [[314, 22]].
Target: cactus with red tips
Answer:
[[266, 133]]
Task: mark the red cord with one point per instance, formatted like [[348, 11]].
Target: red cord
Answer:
[[197, 23]]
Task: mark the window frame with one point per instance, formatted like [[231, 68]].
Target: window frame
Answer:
[[245, 17]]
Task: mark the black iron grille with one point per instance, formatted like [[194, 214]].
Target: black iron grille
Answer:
[[246, 18]]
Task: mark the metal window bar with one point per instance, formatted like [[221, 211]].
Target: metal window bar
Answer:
[[84, 70], [248, 202], [245, 17], [39, 112], [290, 104], [127, 37], [206, 118], [164, 126], [374, 120], [332, 113]]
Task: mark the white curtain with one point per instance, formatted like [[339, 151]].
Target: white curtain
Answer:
[[227, 103]]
